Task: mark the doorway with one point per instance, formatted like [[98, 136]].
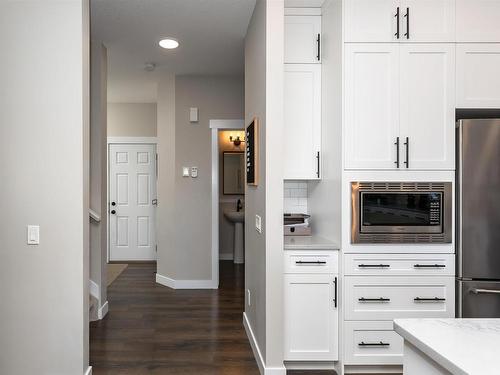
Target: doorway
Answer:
[[132, 201]]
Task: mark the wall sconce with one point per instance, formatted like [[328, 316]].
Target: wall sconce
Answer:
[[236, 141]]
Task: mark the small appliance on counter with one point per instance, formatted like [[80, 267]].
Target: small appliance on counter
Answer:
[[297, 225]]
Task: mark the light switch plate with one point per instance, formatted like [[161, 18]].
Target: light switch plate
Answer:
[[249, 298], [258, 223], [185, 171], [33, 234], [193, 114]]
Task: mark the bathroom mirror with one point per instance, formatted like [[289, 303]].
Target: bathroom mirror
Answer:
[[233, 172]]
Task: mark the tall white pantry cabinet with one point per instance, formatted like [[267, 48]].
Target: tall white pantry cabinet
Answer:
[[408, 65]]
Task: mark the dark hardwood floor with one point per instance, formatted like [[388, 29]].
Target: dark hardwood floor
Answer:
[[152, 329]]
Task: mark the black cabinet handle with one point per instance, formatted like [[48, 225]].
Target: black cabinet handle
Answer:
[[397, 152], [318, 164], [407, 15], [407, 144], [429, 266], [380, 343], [335, 299], [318, 40], [374, 265], [435, 299], [310, 262], [397, 23], [113, 203], [381, 299], [113, 212]]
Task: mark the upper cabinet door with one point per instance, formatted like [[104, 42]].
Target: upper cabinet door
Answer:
[[428, 21], [302, 39], [302, 104], [371, 105], [478, 20], [427, 102], [372, 20]]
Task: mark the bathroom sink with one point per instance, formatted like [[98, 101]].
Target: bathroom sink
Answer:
[[235, 216]]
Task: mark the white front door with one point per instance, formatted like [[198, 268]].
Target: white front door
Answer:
[[132, 202]]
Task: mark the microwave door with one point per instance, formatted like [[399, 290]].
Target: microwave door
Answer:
[[479, 199]]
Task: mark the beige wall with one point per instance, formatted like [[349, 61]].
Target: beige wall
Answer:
[[184, 252], [98, 168], [132, 119], [44, 180]]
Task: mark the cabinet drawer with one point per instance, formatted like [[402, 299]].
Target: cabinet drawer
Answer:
[[399, 264], [387, 298], [372, 343], [310, 261]]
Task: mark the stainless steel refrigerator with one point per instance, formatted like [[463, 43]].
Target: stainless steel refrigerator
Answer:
[[478, 218]]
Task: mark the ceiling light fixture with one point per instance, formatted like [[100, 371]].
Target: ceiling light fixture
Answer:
[[169, 43]]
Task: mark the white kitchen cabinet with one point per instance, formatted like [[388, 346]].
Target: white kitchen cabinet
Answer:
[[478, 80], [399, 106], [302, 39], [371, 105], [371, 20], [400, 21], [427, 106], [302, 112], [477, 21], [311, 317]]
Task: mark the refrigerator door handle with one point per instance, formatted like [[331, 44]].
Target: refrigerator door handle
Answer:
[[485, 291]]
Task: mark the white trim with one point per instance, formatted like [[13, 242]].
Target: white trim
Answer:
[[185, 284], [215, 125], [302, 11], [94, 290], [320, 365], [132, 140], [89, 371], [227, 124], [257, 353], [101, 313], [226, 256]]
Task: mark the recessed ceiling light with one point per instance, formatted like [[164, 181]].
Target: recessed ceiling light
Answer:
[[169, 43]]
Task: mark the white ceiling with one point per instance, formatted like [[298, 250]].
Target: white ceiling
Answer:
[[211, 35]]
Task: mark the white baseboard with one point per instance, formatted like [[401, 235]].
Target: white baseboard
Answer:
[[101, 313], [257, 353], [89, 371], [294, 365], [185, 284], [226, 256]]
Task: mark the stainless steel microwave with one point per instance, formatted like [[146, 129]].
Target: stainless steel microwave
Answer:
[[401, 212]]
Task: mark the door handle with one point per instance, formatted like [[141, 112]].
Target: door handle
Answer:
[[318, 41], [397, 23], [335, 299], [113, 212], [154, 202], [435, 299], [407, 15], [380, 343], [397, 152], [407, 145], [113, 204], [485, 291], [318, 164], [381, 299]]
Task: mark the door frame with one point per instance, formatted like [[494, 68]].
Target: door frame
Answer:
[[215, 126], [126, 140]]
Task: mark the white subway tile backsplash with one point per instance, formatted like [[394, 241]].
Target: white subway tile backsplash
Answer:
[[295, 197]]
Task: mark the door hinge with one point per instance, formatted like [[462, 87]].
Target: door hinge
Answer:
[[156, 164]]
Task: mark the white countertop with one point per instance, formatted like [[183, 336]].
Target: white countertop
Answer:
[[462, 346], [309, 243]]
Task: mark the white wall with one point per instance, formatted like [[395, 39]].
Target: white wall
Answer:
[[44, 180], [264, 251], [98, 168], [132, 119], [184, 250]]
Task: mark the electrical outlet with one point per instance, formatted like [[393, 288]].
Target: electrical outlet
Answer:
[[258, 223], [249, 296]]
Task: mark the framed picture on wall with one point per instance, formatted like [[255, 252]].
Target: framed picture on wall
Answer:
[[252, 152]]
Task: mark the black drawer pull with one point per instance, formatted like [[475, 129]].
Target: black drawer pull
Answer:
[[311, 262], [374, 265], [381, 343], [381, 299], [429, 266], [435, 299]]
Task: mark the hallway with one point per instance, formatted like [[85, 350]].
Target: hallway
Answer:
[[151, 329]]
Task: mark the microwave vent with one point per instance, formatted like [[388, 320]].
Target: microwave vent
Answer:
[[379, 238], [401, 186]]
